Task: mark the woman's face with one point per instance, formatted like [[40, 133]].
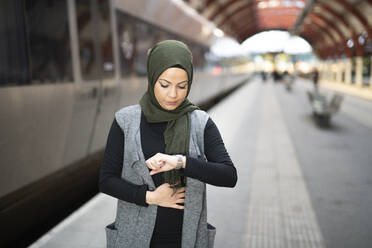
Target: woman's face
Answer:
[[171, 88]]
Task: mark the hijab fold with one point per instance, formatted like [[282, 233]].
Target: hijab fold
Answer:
[[166, 54]]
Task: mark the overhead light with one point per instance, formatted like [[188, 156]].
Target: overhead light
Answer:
[[300, 4], [361, 39], [262, 5], [287, 3], [273, 3], [268, 4], [350, 43]]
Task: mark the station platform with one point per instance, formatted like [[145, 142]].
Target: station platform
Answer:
[[357, 91], [290, 176]]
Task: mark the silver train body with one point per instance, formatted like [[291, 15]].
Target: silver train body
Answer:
[[69, 66]]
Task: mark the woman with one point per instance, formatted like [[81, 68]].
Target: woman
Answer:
[[158, 157]]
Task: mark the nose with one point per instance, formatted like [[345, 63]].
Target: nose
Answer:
[[173, 92]]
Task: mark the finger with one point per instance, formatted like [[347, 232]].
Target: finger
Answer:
[[180, 200], [158, 160], [158, 155], [175, 193], [150, 164], [154, 165], [181, 190], [153, 172], [151, 167], [160, 163], [176, 206], [165, 168], [179, 195], [160, 169]]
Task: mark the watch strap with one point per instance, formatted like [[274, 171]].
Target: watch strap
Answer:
[[179, 162]]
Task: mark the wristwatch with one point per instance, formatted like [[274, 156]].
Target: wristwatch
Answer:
[[179, 162]]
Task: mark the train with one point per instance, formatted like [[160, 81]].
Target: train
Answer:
[[66, 66]]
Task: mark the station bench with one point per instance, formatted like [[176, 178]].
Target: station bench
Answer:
[[323, 109]]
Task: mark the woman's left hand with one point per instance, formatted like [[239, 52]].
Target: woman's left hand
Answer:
[[161, 162]]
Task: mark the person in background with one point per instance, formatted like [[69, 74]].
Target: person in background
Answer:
[[315, 75]]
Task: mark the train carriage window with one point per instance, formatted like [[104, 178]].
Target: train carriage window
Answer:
[[35, 42], [137, 36], [144, 39], [88, 57], [199, 57], [160, 35], [105, 39], [13, 49], [126, 44], [48, 41]]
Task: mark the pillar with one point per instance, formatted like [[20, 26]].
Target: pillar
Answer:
[[334, 70], [330, 70], [359, 71], [370, 74], [340, 68], [348, 71]]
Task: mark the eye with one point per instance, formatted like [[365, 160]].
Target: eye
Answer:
[[164, 86], [182, 87]]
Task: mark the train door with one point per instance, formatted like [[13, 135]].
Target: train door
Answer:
[[107, 59], [88, 85]]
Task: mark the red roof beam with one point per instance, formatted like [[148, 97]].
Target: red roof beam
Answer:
[[234, 13], [358, 15]]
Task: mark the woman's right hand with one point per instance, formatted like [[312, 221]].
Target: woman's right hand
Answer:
[[166, 196]]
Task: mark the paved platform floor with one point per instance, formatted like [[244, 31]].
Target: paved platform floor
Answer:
[[282, 180], [270, 206], [364, 92]]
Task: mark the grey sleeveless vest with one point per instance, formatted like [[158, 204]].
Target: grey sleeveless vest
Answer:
[[134, 224]]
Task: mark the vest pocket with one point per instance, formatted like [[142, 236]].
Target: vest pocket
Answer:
[[111, 235], [211, 235]]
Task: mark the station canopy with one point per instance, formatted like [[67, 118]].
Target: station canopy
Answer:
[[332, 27]]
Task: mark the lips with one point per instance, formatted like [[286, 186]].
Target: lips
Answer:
[[171, 103]]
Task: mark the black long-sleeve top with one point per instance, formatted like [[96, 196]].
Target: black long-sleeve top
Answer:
[[218, 171]]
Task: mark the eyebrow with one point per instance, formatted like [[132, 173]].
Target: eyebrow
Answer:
[[171, 82]]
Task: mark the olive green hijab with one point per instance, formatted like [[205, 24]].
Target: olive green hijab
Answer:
[[166, 54]]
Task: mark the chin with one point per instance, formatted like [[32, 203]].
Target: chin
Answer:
[[170, 107]]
